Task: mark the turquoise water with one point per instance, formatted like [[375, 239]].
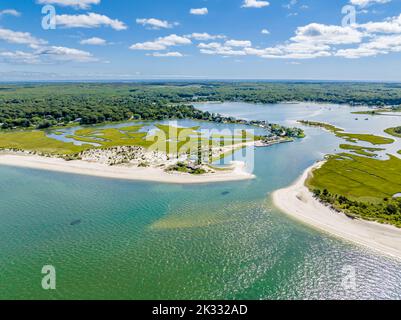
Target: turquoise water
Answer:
[[139, 240]]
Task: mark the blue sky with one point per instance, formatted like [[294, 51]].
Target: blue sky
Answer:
[[201, 39]]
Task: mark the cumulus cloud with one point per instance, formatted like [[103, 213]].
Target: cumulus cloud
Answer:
[[390, 25], [95, 41], [317, 40], [56, 53], [204, 36], [255, 4], [265, 31], [156, 24], [19, 57], [383, 38], [47, 55], [311, 41], [90, 20], [17, 37], [161, 43], [199, 11], [238, 43], [78, 4], [166, 54], [378, 45], [327, 34], [215, 48], [365, 3]]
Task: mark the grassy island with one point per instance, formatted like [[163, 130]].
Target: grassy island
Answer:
[[350, 137], [364, 151], [379, 111], [360, 187], [356, 183], [396, 132]]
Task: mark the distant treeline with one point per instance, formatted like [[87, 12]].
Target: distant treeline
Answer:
[[46, 105]]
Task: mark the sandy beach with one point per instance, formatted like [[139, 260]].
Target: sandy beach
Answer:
[[298, 202], [237, 172]]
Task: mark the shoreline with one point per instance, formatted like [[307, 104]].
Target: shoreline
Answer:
[[80, 167], [298, 202]]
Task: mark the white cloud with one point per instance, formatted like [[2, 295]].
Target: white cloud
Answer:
[[225, 52], [166, 54], [10, 12], [390, 25], [265, 31], [161, 43], [95, 41], [378, 45], [148, 46], [290, 51], [255, 4], [156, 23], [327, 34], [215, 48], [310, 41], [317, 40], [78, 4], [204, 36], [16, 37], [227, 49], [238, 43], [55, 53], [365, 3], [47, 55], [199, 12], [90, 20], [211, 45], [19, 57]]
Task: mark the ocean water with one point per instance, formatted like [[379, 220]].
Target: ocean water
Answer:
[[138, 240]]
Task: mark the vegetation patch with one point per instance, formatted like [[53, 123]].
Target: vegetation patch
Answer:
[[379, 111], [360, 187], [396, 132], [350, 137], [360, 150], [112, 137], [37, 141], [187, 168]]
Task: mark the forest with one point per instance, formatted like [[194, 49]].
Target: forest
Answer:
[[43, 105]]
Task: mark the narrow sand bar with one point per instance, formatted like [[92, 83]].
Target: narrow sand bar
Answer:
[[237, 172], [298, 202]]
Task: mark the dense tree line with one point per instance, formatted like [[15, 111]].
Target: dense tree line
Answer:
[[386, 211], [46, 105], [52, 110]]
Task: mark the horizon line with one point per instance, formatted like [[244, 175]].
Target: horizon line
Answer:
[[167, 79]]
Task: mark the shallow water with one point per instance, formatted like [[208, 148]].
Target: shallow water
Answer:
[[338, 115], [157, 241]]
